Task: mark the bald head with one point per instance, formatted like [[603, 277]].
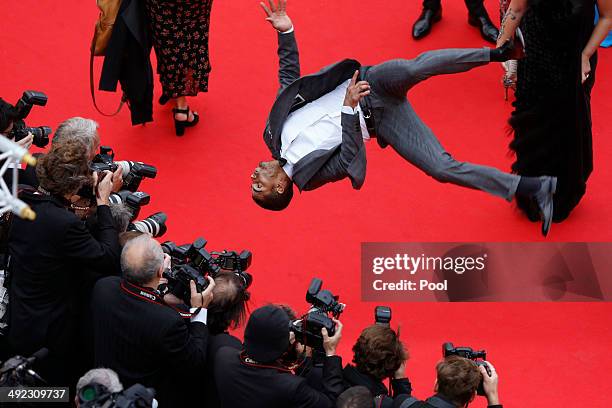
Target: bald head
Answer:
[[142, 260]]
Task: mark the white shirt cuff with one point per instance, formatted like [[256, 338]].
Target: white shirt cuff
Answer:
[[349, 110], [201, 316], [289, 31]]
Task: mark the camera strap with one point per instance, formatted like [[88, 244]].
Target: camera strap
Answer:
[[150, 296], [246, 360]]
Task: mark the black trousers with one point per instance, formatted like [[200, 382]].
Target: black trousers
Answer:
[[475, 7]]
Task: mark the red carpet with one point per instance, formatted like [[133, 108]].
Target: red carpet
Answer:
[[548, 355]]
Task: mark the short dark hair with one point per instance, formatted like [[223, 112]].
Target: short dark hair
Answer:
[[230, 309], [355, 397], [64, 169], [276, 201], [458, 379], [379, 352], [7, 114]]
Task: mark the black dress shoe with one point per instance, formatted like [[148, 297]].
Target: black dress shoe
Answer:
[[488, 31], [544, 198], [426, 20], [510, 50]]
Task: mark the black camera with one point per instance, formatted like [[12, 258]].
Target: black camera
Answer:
[[133, 172], [466, 352], [22, 110], [154, 224], [194, 262], [382, 315], [134, 201], [307, 330], [96, 396], [16, 371]]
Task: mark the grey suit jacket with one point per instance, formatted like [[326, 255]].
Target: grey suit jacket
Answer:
[[321, 166]]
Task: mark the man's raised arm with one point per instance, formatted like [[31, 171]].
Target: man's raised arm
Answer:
[[289, 59]]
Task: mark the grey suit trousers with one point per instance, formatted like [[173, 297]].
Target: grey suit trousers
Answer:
[[398, 125]]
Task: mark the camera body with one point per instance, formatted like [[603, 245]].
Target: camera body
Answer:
[[478, 356], [382, 315], [194, 262], [307, 330], [132, 172], [134, 201], [95, 395], [22, 108]]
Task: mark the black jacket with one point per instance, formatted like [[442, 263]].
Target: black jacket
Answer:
[[47, 257], [402, 386], [436, 401], [321, 166], [146, 342], [127, 60], [215, 343], [241, 384]]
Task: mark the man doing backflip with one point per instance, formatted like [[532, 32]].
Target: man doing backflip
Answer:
[[317, 125]]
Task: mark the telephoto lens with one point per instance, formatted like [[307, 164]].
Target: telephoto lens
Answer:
[[154, 224]]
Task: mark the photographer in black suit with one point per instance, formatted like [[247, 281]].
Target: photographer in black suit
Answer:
[[457, 381], [48, 255], [379, 354], [257, 377], [142, 338]]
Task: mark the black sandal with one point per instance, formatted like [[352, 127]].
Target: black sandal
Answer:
[[180, 125]]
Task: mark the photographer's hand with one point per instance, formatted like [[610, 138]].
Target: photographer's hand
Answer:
[[117, 179], [26, 142], [103, 187], [331, 343], [490, 384], [202, 299]]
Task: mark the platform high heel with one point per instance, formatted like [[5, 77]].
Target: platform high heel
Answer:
[[180, 125]]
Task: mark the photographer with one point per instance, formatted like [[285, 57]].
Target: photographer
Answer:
[[48, 255], [8, 115], [227, 310], [142, 338], [379, 354], [256, 376], [457, 381], [102, 376]]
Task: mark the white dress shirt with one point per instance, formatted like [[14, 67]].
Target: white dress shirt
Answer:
[[316, 126]]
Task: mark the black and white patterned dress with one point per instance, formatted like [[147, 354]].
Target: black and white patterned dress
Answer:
[[180, 37]]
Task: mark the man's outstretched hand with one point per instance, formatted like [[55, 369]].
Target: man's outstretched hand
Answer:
[[277, 15]]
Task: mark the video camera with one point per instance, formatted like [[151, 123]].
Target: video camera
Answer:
[[466, 352], [307, 330], [133, 172], [16, 371], [95, 395], [192, 262], [22, 108]]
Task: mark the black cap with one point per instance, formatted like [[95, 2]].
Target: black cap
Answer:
[[266, 336]]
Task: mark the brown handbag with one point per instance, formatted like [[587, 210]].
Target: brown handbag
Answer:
[[109, 9], [104, 26]]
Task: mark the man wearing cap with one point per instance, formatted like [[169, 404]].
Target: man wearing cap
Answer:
[[255, 377]]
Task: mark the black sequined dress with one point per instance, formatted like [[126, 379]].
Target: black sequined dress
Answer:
[[552, 117]]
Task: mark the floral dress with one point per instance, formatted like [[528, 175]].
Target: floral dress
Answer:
[[180, 37]]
